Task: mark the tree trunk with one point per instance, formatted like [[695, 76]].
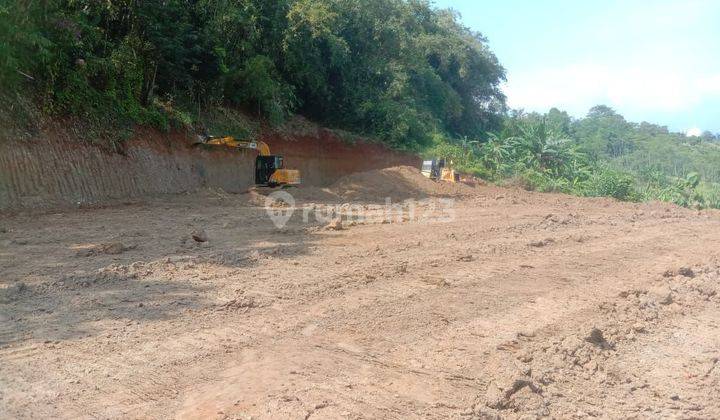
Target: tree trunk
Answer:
[[148, 86]]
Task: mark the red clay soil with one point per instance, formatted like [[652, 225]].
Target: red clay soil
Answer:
[[401, 182], [323, 157], [54, 171]]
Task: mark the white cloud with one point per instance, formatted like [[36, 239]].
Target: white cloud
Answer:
[[693, 132], [578, 87], [575, 88], [650, 60], [711, 84]]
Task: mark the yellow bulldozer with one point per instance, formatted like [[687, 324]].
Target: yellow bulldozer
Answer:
[[269, 169], [440, 170]]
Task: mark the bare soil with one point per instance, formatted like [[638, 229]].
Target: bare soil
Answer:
[[503, 304]]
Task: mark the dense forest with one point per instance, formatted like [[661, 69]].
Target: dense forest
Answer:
[[401, 71], [393, 69]]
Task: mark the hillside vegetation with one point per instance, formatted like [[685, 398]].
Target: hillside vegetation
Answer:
[[599, 155], [401, 71], [398, 70]]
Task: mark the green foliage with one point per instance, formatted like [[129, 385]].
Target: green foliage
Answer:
[[711, 194], [226, 121], [257, 85], [534, 180], [533, 148], [19, 117], [685, 192], [463, 155], [665, 166], [601, 155], [606, 182], [394, 69]]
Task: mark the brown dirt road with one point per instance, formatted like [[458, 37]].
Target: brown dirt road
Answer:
[[522, 305]]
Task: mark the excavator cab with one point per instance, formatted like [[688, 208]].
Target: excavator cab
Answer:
[[431, 169], [270, 172], [439, 170], [265, 167]]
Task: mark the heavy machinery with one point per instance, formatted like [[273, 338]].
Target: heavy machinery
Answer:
[[269, 168], [439, 170], [431, 169]]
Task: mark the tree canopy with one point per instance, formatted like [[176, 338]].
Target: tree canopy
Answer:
[[394, 69]]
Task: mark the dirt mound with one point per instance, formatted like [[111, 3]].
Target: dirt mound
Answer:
[[314, 194], [303, 194], [398, 183]]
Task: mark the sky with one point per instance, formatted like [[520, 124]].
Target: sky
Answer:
[[655, 61]]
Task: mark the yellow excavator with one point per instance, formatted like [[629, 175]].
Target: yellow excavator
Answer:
[[269, 169]]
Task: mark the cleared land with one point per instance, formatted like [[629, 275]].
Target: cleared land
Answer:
[[523, 304]]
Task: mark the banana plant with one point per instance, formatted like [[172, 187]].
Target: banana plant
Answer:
[[495, 152]]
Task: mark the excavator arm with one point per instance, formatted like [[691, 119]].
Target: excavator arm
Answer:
[[229, 141]]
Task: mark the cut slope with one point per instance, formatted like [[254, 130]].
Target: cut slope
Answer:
[[53, 170]]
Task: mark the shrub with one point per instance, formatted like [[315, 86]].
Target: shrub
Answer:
[[529, 179], [606, 182]]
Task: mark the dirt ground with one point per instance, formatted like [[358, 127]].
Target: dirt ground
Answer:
[[504, 303]]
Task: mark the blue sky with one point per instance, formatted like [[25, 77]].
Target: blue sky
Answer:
[[656, 61]]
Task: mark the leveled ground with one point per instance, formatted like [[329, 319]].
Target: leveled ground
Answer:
[[519, 304]]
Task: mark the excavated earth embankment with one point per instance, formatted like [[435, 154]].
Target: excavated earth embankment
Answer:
[[53, 170]]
